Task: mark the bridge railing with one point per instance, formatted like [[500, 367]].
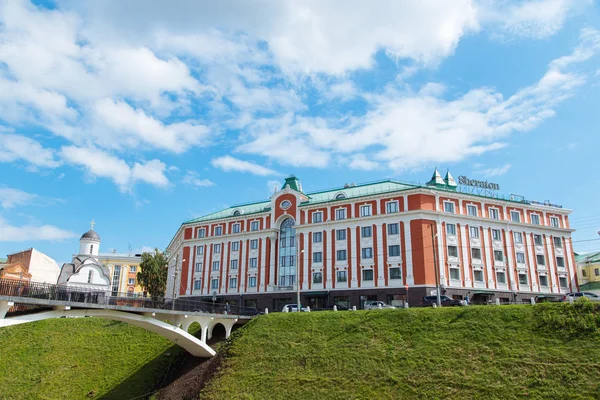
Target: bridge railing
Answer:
[[73, 294]]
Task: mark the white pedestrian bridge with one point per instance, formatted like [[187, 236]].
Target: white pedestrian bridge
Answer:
[[166, 317]]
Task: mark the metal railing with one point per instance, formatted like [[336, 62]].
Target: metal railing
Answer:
[[83, 296]]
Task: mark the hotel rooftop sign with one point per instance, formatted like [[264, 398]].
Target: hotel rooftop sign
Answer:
[[463, 180]]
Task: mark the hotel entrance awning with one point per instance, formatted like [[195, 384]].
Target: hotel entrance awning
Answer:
[[316, 294], [484, 293]]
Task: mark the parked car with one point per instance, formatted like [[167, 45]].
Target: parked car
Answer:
[[577, 295], [376, 305], [294, 308], [252, 311], [445, 301]]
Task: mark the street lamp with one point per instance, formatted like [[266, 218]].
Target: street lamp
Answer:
[[175, 280], [298, 305], [437, 279]]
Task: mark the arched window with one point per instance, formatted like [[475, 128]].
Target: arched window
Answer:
[[90, 274], [287, 254], [340, 196], [91, 249], [236, 212]]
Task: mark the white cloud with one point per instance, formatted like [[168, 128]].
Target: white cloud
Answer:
[[29, 233], [228, 163], [492, 172], [10, 197], [274, 186], [193, 179], [360, 161], [16, 147], [98, 163], [343, 91]]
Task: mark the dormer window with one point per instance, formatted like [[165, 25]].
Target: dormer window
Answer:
[[340, 196], [237, 212]]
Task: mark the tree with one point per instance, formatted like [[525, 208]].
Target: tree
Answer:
[[154, 272]]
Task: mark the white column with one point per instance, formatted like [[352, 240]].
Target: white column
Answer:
[[242, 265], [555, 288], [272, 261], [354, 256], [263, 263], [530, 254], [571, 260], [510, 270], [464, 238], [489, 265], [441, 255], [330, 260], [380, 261], [410, 279], [305, 272]]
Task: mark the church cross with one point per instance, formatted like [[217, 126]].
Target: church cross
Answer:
[[92, 224]]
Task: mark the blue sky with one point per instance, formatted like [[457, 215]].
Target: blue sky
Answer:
[[142, 114]]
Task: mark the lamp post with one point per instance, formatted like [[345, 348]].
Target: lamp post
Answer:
[[175, 280], [437, 279], [298, 305]]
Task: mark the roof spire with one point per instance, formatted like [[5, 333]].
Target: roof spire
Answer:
[[436, 179], [293, 183], [450, 182]]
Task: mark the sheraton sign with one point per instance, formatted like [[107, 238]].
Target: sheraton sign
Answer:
[[463, 180]]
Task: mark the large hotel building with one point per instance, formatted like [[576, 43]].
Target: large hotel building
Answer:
[[375, 241]]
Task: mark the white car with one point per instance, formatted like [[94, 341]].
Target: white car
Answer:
[[293, 308], [577, 295], [376, 305]]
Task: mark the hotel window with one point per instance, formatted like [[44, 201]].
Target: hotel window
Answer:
[[234, 264], [391, 207], [199, 250], [496, 235], [282, 261], [235, 246], [365, 211], [340, 214], [218, 230], [522, 279], [198, 267], [132, 268], [554, 222], [454, 273], [217, 248], [254, 225], [341, 255], [201, 233], [317, 237], [394, 250], [365, 232], [474, 231], [498, 255], [214, 284], [232, 282], [340, 234], [452, 251], [583, 272], [535, 219], [235, 228], [317, 217], [560, 262], [557, 242], [500, 276], [537, 239], [367, 274], [252, 281], [393, 229], [520, 258], [518, 237], [541, 260], [494, 214], [395, 273], [216, 265], [317, 277], [515, 216], [115, 280], [341, 276], [449, 207], [472, 210], [254, 244], [478, 276], [367, 252], [253, 262], [317, 257], [197, 284], [451, 229], [563, 282], [475, 253], [543, 280], [596, 271]]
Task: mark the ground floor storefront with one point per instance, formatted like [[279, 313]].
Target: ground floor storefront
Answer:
[[349, 298]]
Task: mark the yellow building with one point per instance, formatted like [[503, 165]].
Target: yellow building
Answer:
[[588, 272], [123, 271]]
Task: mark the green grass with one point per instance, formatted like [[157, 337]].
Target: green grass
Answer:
[[488, 352], [82, 358]]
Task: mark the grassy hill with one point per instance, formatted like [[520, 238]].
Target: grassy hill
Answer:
[[504, 352], [82, 358]]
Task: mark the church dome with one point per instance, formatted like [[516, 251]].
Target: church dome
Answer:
[[91, 234]]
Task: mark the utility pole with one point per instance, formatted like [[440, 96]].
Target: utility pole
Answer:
[[437, 279], [174, 282], [298, 305]]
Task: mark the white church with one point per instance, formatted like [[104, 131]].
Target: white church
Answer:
[[86, 271]]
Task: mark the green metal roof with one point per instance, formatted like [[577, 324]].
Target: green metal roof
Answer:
[[353, 191], [589, 257], [589, 286], [244, 209]]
